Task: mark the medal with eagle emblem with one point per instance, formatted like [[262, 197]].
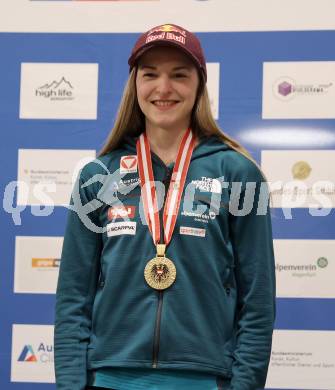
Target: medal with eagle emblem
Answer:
[[160, 272]]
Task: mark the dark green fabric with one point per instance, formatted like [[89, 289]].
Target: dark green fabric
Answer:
[[217, 317], [153, 379]]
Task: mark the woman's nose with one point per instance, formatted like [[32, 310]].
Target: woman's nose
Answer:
[[164, 85]]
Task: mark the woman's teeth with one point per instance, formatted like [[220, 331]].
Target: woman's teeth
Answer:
[[164, 103]]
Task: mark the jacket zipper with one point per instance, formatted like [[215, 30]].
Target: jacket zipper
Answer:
[[157, 330], [155, 352]]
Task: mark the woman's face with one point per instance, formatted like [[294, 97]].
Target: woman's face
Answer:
[[166, 85]]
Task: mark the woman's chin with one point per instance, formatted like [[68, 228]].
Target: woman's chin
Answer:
[[169, 123]]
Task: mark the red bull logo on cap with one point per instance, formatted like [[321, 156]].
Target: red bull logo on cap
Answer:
[[168, 32], [167, 28]]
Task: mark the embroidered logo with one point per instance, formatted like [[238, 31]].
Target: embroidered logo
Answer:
[[121, 212], [208, 184], [191, 231], [128, 164], [120, 228]]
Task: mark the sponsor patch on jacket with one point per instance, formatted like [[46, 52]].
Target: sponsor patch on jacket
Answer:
[[121, 212], [120, 228], [208, 184], [128, 164], [191, 231], [125, 186], [199, 217]]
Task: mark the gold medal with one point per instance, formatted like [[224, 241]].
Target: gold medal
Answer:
[[160, 272]]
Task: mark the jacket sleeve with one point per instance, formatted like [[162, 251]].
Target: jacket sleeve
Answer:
[[255, 279], [77, 282]]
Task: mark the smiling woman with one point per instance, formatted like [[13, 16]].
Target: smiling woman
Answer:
[[170, 291], [166, 89]]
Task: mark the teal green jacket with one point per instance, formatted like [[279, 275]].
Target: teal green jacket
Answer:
[[216, 318]]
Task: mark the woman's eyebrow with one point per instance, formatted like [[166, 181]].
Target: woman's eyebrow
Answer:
[[147, 67], [182, 67]]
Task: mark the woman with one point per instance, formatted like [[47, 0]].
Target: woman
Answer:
[[166, 279]]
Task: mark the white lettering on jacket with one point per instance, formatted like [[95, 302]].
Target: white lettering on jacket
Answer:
[[208, 184], [191, 231], [119, 228]]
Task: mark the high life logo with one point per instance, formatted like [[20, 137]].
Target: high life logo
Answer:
[[56, 90]]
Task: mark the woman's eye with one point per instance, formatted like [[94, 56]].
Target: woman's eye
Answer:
[[149, 75], [180, 75]]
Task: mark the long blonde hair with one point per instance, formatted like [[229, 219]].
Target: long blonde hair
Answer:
[[130, 119]]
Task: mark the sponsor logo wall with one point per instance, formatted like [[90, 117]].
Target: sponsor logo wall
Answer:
[[305, 357], [46, 176], [304, 268], [32, 354], [58, 91], [300, 178], [298, 90], [37, 261], [213, 85], [61, 93]]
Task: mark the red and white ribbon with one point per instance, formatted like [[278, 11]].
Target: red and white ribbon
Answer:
[[175, 190]]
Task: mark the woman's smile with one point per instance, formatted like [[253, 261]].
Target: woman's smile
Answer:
[[164, 105]]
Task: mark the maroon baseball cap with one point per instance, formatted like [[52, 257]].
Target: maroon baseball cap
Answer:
[[170, 35]]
